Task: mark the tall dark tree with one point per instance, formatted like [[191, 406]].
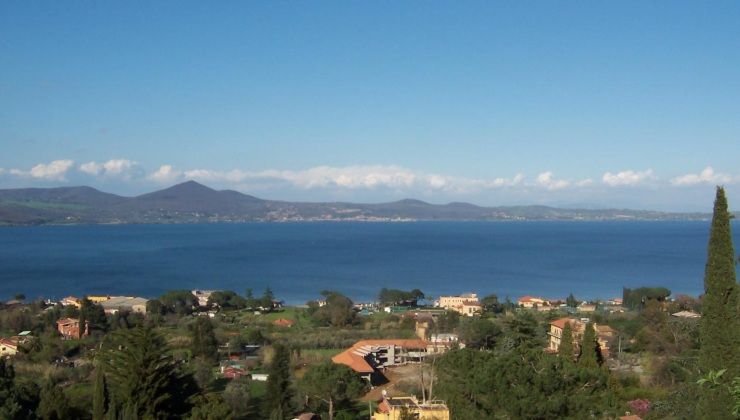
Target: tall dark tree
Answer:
[[9, 407], [143, 378], [267, 298], [83, 320], [54, 404], [204, 344], [251, 301], [277, 401], [590, 356], [720, 327], [566, 350], [100, 395], [571, 301], [94, 314]]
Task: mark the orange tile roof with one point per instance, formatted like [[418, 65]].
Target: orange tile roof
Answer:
[[282, 322], [67, 321], [560, 323], [354, 359]]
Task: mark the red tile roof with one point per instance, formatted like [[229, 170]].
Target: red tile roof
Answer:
[[282, 322], [560, 323], [354, 358]]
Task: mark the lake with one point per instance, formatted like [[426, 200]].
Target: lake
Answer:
[[298, 260]]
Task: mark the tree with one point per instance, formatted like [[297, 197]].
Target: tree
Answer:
[[203, 337], [277, 401], [211, 407], [92, 313], [53, 404], [720, 326], [332, 384], [237, 396], [143, 378], [9, 407], [491, 304], [479, 333], [399, 297], [266, 302], [226, 299], [180, 302], [338, 310], [82, 324], [571, 301], [566, 351], [100, 395], [590, 356], [251, 301]]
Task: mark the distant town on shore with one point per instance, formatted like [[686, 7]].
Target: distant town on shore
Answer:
[[191, 202]]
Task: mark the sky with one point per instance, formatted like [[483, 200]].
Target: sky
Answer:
[[630, 104]]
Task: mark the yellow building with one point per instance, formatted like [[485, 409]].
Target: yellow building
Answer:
[[392, 408], [98, 299], [604, 334], [466, 304]]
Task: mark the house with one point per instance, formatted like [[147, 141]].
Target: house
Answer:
[[233, 372], [392, 408], [532, 302], [69, 328], [604, 334], [465, 304], [8, 347], [129, 303], [71, 301], [586, 307], [370, 357], [282, 322], [260, 377], [98, 299], [686, 314], [202, 296]]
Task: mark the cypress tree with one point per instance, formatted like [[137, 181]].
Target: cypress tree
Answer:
[[590, 351], [100, 395], [720, 327], [279, 393], [204, 342], [54, 404], [565, 350]]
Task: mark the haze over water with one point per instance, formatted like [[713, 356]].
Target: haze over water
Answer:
[[298, 260]]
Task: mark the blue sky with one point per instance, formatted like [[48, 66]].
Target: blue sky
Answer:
[[601, 104]]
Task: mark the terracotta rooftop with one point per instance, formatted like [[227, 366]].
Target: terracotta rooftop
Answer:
[[67, 321], [354, 357], [560, 323], [282, 322]]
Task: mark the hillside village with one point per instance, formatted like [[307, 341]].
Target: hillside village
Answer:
[[389, 344]]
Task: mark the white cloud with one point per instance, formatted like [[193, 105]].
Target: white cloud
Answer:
[[52, 171], [165, 174], [585, 182], [113, 167], [707, 176], [627, 178], [546, 180], [353, 178]]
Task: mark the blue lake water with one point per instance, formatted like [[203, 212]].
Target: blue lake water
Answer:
[[298, 260]]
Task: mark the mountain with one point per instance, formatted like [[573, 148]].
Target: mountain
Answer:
[[191, 202]]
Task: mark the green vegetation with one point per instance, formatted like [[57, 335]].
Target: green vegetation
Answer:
[[390, 297], [331, 386], [720, 324], [278, 401]]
